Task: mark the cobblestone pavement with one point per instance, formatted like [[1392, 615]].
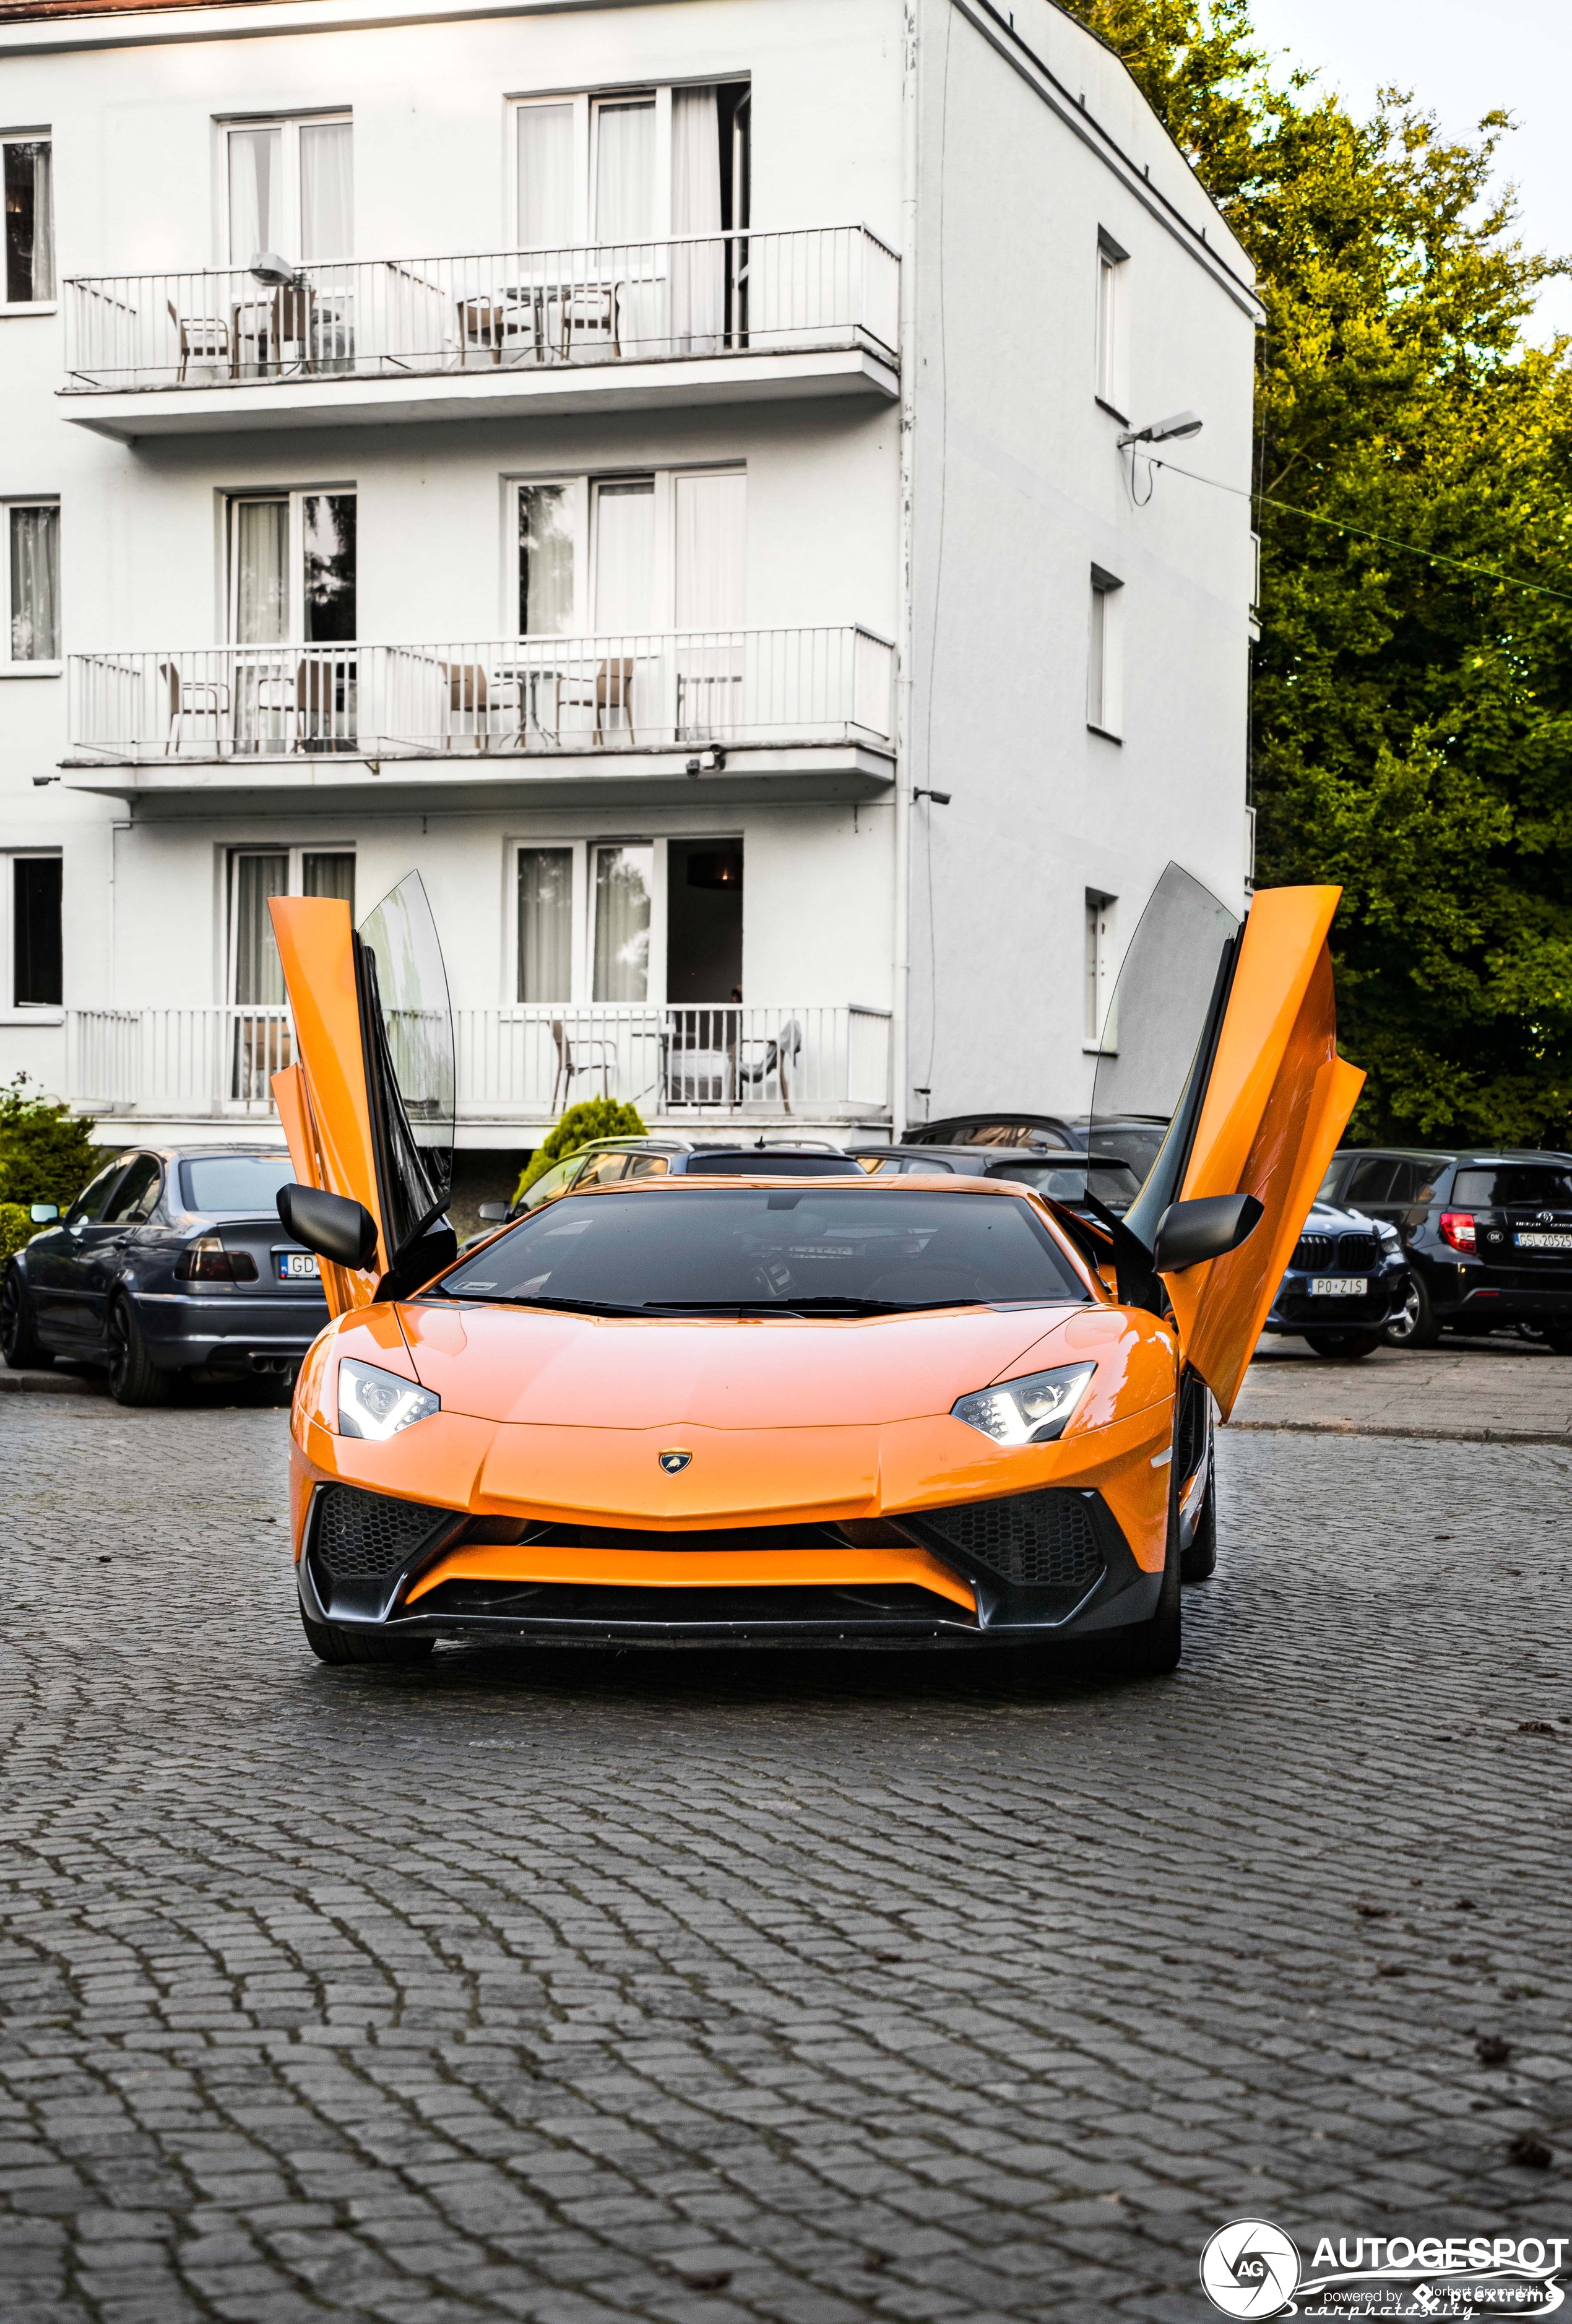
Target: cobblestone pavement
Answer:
[[1499, 1389], [581, 1987]]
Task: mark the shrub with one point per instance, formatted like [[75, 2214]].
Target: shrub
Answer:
[[596, 1117], [15, 1228], [47, 1153]]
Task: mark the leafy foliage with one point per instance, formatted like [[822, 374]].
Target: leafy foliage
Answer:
[[595, 1117], [1412, 722], [46, 1152], [16, 1228]]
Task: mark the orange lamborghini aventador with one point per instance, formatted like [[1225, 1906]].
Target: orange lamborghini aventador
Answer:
[[705, 1408]]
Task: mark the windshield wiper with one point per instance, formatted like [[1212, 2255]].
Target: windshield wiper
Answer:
[[539, 1299], [827, 1303]]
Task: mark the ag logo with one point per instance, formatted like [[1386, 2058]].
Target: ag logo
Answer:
[[673, 1462], [1250, 2268]]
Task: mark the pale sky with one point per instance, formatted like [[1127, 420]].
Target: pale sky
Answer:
[[1461, 59]]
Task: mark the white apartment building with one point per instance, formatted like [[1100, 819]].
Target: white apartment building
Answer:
[[619, 460]]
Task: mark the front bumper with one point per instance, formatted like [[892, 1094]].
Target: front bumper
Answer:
[[1299, 1308], [183, 1330], [935, 1591]]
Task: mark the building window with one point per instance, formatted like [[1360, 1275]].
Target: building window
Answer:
[[1103, 654], [289, 189], [37, 973], [630, 166], [292, 567], [1112, 263], [255, 978], [1098, 964], [545, 924], [31, 582], [627, 555], [28, 168]]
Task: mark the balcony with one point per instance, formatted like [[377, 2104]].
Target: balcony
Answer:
[[703, 319], [746, 710], [164, 1071]]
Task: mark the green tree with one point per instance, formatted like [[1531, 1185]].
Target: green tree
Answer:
[[46, 1152], [595, 1117], [1412, 719]]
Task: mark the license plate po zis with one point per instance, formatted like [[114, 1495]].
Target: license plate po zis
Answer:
[[1337, 1287], [297, 1267]]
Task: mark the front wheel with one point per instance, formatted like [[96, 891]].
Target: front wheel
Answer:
[[19, 1341], [1344, 1343], [133, 1377], [1416, 1323], [331, 1644]]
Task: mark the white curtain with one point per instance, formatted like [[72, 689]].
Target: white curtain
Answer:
[[253, 189], [327, 190], [545, 176], [35, 584], [261, 591], [329, 875], [625, 556], [711, 551], [257, 975], [625, 172], [622, 879], [545, 561], [698, 269], [545, 923]]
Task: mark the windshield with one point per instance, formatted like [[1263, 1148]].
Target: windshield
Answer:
[[858, 1248], [1529, 1184], [236, 1182]]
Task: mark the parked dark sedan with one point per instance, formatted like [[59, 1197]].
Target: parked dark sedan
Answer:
[[170, 1260], [1062, 1175], [1346, 1281], [1487, 1235]]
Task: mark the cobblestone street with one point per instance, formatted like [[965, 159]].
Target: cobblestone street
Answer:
[[583, 1987]]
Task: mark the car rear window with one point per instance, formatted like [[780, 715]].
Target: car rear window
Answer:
[[771, 1164], [236, 1183], [757, 1247], [1514, 1185]]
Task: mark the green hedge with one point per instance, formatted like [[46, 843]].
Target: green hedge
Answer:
[[15, 1228], [47, 1153], [596, 1117]]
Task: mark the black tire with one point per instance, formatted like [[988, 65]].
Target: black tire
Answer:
[[1345, 1344], [19, 1341], [1199, 1563], [133, 1377], [1416, 1323], [1152, 1649], [330, 1644], [1560, 1336]]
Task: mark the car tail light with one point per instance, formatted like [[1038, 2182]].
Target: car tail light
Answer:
[[206, 1261], [1457, 1228]]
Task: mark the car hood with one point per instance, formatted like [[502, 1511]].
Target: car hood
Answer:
[[528, 1365]]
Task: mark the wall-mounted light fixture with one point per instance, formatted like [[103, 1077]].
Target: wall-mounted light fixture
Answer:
[[1178, 424], [268, 267]]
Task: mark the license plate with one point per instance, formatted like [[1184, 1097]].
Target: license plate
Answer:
[[1543, 1241], [1337, 1287], [297, 1267]]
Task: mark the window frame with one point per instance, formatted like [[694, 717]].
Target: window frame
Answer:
[[291, 126], [296, 496], [1100, 946], [297, 851], [12, 1011], [42, 135], [10, 667], [1106, 655], [1110, 327], [582, 956], [584, 487]]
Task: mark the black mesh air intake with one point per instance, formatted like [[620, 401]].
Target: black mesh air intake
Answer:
[[361, 1537], [1190, 1434], [1358, 1253], [1313, 1253], [1043, 1539]]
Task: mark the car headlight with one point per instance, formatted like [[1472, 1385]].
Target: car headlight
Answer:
[[377, 1404], [1387, 1231], [1028, 1411]]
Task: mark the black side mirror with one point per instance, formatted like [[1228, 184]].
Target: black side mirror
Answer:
[[1189, 1232], [332, 1225]]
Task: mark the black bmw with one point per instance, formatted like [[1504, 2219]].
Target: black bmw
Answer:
[[171, 1259], [1346, 1279]]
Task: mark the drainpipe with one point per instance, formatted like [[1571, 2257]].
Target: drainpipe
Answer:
[[899, 1068]]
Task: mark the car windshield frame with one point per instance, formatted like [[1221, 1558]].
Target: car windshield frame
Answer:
[[801, 1267]]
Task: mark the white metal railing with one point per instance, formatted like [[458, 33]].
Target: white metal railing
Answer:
[[514, 1065], [685, 295], [628, 690]]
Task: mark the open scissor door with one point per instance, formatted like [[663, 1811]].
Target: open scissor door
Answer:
[[1230, 1035], [368, 1106]]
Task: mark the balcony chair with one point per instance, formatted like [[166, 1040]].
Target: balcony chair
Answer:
[[272, 325], [476, 694], [271, 695], [780, 1051], [192, 697], [204, 338], [611, 688], [500, 321], [570, 1052], [324, 701], [591, 308]]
